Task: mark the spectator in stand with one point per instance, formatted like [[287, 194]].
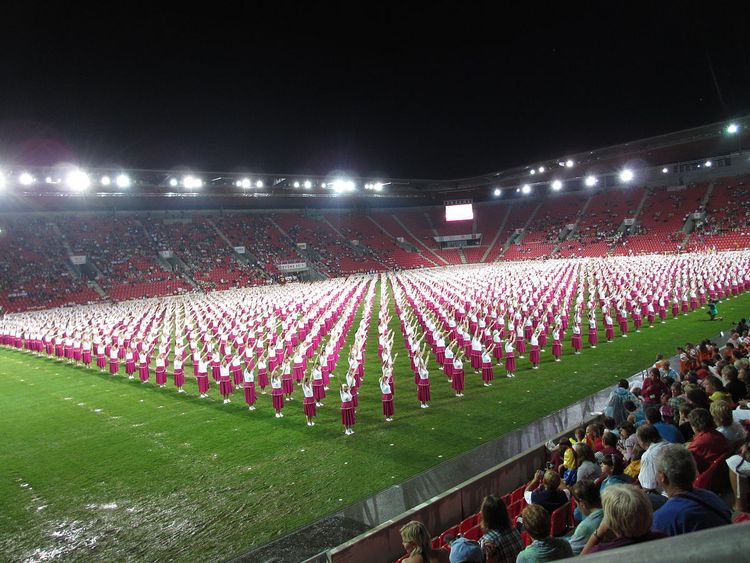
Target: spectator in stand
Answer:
[[688, 509], [651, 442], [613, 472], [418, 544], [594, 437], [725, 423], [609, 441], [653, 389], [626, 520], [536, 521], [668, 432], [715, 389], [616, 402], [635, 414], [501, 542], [684, 422], [739, 472], [708, 444], [544, 490], [633, 468], [586, 466], [588, 499], [627, 440], [697, 398]]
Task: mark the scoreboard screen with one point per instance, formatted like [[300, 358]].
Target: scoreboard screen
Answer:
[[459, 212]]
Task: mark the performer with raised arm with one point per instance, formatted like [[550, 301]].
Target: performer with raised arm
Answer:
[[347, 409], [277, 394], [488, 373], [249, 386], [309, 401]]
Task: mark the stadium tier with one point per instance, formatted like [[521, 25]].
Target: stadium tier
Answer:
[[88, 258]]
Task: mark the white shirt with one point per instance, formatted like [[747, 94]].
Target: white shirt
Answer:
[[647, 475]]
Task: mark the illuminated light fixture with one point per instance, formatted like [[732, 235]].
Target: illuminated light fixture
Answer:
[[77, 180], [338, 186], [259, 184], [308, 184], [591, 181], [2, 180], [664, 170], [48, 180], [238, 183], [732, 128], [122, 181], [557, 185], [323, 185], [349, 186], [518, 190], [569, 163], [106, 181], [708, 164], [173, 182], [191, 182], [561, 164], [378, 186], [498, 192], [532, 172], [296, 184], [245, 183], [526, 189], [26, 179], [541, 169], [626, 175]]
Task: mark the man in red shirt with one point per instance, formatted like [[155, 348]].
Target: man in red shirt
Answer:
[[708, 444]]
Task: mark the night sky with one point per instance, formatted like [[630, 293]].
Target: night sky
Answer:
[[243, 92]]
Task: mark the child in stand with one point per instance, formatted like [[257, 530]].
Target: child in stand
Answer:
[[309, 401]]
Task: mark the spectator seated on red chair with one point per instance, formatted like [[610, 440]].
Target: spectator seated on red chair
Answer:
[[544, 490], [586, 495], [688, 509], [707, 444], [536, 521], [501, 541]]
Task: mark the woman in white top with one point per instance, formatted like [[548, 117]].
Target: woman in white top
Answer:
[[309, 401]]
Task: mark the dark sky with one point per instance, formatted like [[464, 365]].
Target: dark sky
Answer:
[[247, 92]]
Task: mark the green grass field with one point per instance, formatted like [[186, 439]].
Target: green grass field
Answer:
[[100, 468]]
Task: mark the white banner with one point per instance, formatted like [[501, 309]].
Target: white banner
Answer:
[[166, 253], [292, 267], [240, 249], [78, 260], [450, 238], [302, 245]]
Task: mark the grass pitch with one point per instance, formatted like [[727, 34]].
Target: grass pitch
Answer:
[[100, 468]]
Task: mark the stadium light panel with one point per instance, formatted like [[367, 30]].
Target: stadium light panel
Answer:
[[296, 184], [259, 184], [122, 181], [557, 185], [378, 186], [664, 170], [77, 180], [541, 169], [498, 192], [732, 128], [48, 180], [526, 189], [191, 182], [532, 172], [626, 175], [308, 184], [349, 186], [569, 163], [26, 179], [173, 182], [323, 185], [709, 164], [2, 180], [106, 181], [591, 181], [245, 183]]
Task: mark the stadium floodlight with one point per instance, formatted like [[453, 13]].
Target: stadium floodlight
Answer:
[[323, 185], [541, 169], [349, 186], [526, 189], [732, 128], [48, 180], [245, 183], [498, 192], [591, 181], [122, 181], [308, 184], [569, 163], [709, 164], [378, 186], [259, 184], [664, 170], [191, 182], [106, 181], [338, 186], [296, 184], [626, 175], [2, 180], [532, 172], [77, 180], [26, 179], [557, 185], [173, 182]]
